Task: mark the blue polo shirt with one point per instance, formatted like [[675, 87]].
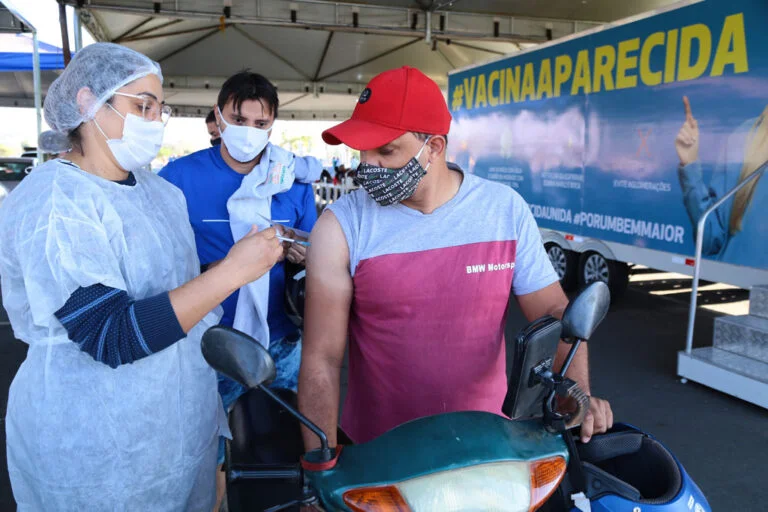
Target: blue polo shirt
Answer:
[[208, 183]]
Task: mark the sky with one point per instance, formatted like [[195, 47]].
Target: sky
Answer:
[[18, 125], [44, 15]]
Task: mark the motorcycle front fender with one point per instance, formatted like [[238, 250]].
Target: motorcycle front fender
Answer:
[[432, 445]]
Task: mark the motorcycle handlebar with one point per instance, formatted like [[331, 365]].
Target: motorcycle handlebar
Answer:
[[582, 405]]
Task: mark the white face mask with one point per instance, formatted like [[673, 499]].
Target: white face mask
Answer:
[[140, 143], [244, 143]]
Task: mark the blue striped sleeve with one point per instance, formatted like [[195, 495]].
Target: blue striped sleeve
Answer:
[[105, 323]]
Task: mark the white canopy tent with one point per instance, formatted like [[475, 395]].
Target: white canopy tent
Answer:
[[321, 53]]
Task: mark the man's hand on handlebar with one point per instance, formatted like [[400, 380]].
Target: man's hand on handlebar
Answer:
[[598, 420]]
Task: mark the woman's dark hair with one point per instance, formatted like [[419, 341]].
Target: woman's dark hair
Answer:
[[247, 86], [76, 140]]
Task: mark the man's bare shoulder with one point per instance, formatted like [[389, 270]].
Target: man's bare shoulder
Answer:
[[326, 228], [328, 245]]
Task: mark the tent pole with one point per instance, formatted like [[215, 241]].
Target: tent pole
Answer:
[[64, 32], [78, 29], [38, 91]]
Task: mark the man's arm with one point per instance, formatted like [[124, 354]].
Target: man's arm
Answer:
[[328, 299], [307, 218], [551, 300]]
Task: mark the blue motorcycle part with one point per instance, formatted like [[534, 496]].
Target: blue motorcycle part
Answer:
[[628, 470]]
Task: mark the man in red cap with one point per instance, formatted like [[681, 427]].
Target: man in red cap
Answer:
[[416, 268]]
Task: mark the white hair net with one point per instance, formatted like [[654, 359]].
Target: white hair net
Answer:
[[101, 67]]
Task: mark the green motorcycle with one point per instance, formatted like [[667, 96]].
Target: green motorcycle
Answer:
[[454, 461]]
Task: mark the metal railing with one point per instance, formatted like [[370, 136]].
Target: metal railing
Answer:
[[699, 248], [327, 192]]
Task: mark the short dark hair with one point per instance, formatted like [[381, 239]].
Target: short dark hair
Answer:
[[210, 118], [425, 136], [245, 86]]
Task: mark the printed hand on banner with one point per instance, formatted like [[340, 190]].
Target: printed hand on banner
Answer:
[[687, 141]]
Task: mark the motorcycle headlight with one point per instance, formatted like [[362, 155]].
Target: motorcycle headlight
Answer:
[[502, 486]]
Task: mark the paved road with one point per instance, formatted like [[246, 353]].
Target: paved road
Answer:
[[722, 441]]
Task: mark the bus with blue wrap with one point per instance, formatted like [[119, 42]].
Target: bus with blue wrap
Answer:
[[620, 138]]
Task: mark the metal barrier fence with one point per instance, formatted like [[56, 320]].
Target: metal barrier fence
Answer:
[[327, 192]]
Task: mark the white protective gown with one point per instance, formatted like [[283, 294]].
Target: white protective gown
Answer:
[[81, 435]]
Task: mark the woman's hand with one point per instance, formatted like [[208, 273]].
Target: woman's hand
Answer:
[[254, 255], [687, 141], [248, 260]]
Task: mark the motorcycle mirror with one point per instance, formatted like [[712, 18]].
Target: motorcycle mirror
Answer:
[[244, 360], [585, 312], [238, 356]]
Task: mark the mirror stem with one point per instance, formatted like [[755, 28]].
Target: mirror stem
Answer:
[[569, 358], [326, 452]]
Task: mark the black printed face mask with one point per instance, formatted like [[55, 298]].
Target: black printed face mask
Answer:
[[389, 186]]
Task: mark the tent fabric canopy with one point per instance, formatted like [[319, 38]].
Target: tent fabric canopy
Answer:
[[16, 54], [321, 53]]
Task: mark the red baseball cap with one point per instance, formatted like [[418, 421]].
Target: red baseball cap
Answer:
[[394, 102]]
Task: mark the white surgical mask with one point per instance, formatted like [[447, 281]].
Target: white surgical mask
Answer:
[[140, 143], [244, 143]]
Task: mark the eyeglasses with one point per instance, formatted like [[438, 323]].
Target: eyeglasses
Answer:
[[150, 108]]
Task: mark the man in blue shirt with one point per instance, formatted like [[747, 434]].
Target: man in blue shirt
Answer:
[[246, 109]]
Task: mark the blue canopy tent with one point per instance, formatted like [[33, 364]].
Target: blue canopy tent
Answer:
[[17, 54], [25, 56]]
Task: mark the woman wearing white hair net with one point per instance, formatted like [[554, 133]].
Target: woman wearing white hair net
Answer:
[[114, 407]]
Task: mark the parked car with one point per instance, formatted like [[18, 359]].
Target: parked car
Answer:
[[12, 171]]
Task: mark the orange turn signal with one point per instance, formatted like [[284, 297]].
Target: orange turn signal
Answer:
[[546, 475], [376, 499]]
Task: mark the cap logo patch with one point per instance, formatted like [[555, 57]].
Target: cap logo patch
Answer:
[[365, 95]]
